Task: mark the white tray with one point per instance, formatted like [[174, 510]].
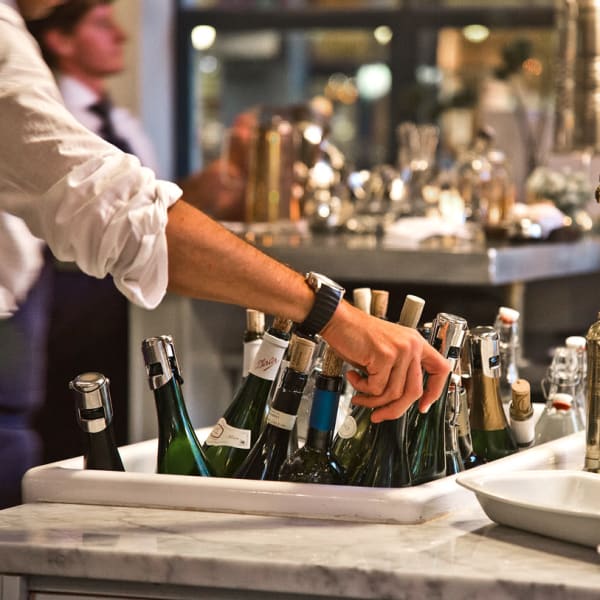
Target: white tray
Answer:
[[66, 481], [558, 504]]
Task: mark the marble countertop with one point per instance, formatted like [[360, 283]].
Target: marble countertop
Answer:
[[463, 555]]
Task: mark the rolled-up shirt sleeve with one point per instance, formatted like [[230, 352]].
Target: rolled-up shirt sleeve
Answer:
[[90, 202]]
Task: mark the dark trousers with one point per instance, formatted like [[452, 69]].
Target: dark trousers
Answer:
[[22, 386]]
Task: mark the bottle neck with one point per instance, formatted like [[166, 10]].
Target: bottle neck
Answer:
[[170, 407], [282, 413], [102, 452], [323, 413], [487, 412], [268, 357]]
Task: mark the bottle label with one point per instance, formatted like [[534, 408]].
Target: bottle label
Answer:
[[268, 358], [250, 350], [223, 434], [348, 428], [281, 419], [324, 410]]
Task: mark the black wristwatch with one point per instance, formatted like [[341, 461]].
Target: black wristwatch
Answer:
[[328, 294]]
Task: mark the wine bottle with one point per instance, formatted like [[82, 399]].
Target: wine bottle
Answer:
[[179, 451], [271, 448], [521, 414], [253, 335], [315, 462], [454, 461], [426, 431], [492, 437], [94, 416], [386, 463], [592, 427], [507, 326], [237, 430]]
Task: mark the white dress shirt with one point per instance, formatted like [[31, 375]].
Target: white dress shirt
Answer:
[[78, 98], [60, 183]]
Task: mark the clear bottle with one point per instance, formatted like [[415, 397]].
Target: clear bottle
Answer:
[[271, 448], [521, 414], [237, 430], [557, 420], [592, 436], [578, 344], [179, 452], [253, 335], [315, 462], [426, 431], [507, 326], [93, 408], [491, 434]]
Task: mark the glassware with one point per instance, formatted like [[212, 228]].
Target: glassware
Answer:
[[507, 326], [179, 451], [94, 416], [557, 420]]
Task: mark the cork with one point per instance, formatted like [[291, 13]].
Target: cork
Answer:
[[411, 312], [282, 324], [362, 299], [379, 303], [332, 363], [300, 354], [255, 320], [520, 406]]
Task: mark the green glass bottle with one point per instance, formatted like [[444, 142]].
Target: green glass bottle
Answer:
[[426, 431], [271, 448], [94, 416], [237, 430], [179, 452], [315, 462], [491, 434]]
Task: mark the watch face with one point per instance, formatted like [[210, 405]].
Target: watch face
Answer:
[[315, 280]]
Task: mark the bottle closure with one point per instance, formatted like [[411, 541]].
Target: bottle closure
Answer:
[[447, 336], [520, 406], [159, 358], [485, 353], [93, 405]]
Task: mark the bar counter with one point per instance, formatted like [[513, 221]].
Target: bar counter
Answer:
[[151, 553]]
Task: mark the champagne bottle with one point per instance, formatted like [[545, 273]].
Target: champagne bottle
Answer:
[[454, 461], [521, 414], [237, 430], [179, 451], [315, 462], [592, 433], [492, 437], [94, 416], [253, 335], [507, 326], [426, 431], [386, 463], [271, 448]]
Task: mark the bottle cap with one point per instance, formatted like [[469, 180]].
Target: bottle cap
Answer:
[[92, 401], [576, 341], [282, 324], [520, 405], [484, 350], [332, 363], [508, 315], [362, 299], [379, 303], [300, 353], [156, 358], [255, 320], [561, 401], [448, 334], [411, 312]]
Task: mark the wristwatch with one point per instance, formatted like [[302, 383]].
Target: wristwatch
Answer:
[[328, 294]]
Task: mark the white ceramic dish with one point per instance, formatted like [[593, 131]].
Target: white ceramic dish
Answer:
[[67, 481], [562, 504]]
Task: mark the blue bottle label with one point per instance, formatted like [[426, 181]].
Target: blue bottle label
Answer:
[[324, 410]]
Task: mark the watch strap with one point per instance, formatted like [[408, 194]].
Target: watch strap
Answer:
[[327, 299]]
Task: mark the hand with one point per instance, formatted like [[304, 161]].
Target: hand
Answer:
[[393, 357]]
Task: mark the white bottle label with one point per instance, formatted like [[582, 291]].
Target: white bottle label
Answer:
[[268, 358], [250, 350], [223, 434], [281, 419], [348, 428]]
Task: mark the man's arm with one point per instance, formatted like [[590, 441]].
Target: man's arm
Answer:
[[207, 261]]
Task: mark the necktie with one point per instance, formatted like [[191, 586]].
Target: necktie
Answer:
[[107, 131]]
